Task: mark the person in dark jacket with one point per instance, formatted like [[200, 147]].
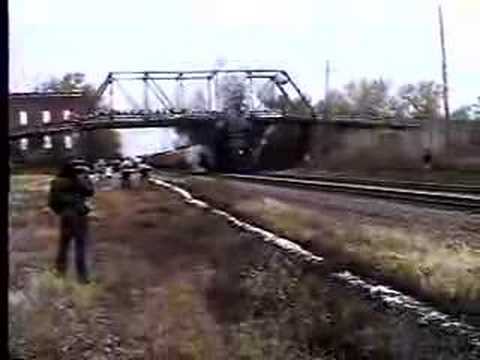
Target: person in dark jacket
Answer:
[[427, 159], [67, 198], [145, 171], [126, 170]]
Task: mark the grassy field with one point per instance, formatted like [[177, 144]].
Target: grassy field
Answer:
[[173, 282]]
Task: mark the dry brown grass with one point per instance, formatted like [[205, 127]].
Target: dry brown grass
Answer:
[[47, 312], [44, 309], [178, 323], [295, 224], [163, 292], [274, 307], [447, 272]]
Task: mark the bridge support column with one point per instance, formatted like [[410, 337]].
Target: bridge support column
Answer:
[[209, 94], [79, 144], [145, 92]]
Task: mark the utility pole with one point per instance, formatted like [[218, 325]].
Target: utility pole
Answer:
[[327, 90], [445, 80], [145, 92]]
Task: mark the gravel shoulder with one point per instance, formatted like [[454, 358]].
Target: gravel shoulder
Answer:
[[467, 177], [444, 226]]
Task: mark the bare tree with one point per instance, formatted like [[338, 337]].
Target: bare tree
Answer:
[[421, 99], [369, 97]]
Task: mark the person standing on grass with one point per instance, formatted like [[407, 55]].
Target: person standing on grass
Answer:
[[126, 169], [69, 191], [145, 171], [427, 159]]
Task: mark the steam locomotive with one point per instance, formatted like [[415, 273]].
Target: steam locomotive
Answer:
[[230, 149]]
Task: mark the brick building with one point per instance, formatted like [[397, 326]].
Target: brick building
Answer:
[[38, 109]]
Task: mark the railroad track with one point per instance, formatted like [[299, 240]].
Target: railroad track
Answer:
[[403, 184], [433, 196]]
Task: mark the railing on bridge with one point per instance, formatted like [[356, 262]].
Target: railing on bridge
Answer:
[[167, 91]]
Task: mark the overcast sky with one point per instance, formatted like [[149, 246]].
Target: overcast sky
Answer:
[[397, 40]]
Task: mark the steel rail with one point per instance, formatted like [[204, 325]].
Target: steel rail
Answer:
[[403, 184], [456, 201]]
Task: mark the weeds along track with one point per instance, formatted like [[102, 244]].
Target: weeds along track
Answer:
[[390, 299], [434, 197]]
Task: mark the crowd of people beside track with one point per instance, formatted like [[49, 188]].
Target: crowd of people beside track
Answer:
[[122, 168]]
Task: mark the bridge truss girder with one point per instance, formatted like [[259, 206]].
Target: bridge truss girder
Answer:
[[153, 83]]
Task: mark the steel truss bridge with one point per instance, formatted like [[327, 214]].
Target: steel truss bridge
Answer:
[[143, 99], [229, 111]]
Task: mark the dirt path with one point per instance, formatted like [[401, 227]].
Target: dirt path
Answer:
[[158, 274]]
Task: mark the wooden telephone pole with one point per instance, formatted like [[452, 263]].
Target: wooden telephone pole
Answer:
[[445, 78], [327, 90]]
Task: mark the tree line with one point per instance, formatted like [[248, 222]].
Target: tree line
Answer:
[[376, 98]]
